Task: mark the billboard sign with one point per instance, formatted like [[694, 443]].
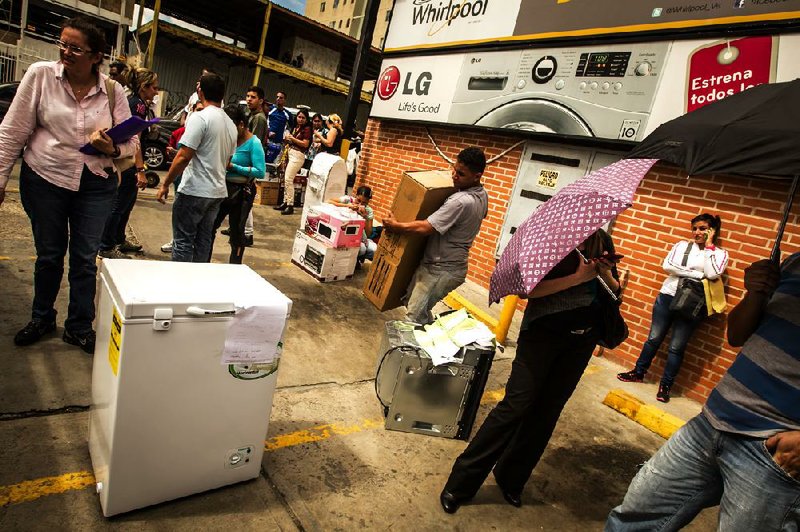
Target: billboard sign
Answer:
[[421, 24]]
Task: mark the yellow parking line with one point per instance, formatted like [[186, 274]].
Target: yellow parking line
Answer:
[[30, 490]]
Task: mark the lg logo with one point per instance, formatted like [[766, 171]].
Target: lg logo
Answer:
[[390, 81]]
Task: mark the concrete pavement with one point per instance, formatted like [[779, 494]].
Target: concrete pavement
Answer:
[[329, 464]]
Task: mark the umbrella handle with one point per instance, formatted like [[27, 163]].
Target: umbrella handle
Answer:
[[602, 282], [775, 256]]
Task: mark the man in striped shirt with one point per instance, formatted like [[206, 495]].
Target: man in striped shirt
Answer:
[[743, 451]]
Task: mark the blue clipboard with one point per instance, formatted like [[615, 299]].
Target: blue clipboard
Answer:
[[122, 132]]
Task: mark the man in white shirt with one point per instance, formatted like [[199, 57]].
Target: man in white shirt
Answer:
[[206, 148]]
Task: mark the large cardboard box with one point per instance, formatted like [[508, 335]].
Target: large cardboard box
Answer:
[[266, 192], [398, 255], [323, 262]]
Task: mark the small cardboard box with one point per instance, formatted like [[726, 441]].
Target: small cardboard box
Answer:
[[267, 192], [323, 262], [418, 196]]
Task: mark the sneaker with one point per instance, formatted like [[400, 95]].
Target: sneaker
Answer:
[[226, 232], [167, 248], [34, 331], [113, 253], [630, 376], [130, 247], [663, 393], [85, 340], [248, 241]]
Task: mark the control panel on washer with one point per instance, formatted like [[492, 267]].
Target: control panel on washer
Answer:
[[623, 77]]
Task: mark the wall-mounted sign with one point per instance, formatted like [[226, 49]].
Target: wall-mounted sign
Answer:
[[412, 89], [605, 91], [726, 68], [418, 24]]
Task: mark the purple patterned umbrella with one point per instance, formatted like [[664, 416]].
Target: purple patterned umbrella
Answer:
[[562, 223]]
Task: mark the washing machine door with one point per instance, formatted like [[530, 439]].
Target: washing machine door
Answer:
[[537, 115]]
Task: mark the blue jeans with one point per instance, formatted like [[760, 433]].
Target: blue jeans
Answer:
[[700, 467], [193, 227], [431, 283], [125, 199], [682, 330], [64, 219]]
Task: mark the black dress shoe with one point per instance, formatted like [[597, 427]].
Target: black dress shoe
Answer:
[[288, 210], [33, 331], [450, 503], [279, 207], [514, 499]]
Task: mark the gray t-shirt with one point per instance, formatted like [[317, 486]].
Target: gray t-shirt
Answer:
[[457, 223], [213, 137]]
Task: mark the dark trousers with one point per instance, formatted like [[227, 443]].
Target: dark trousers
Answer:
[[545, 372], [125, 199], [237, 205], [682, 329], [193, 227], [64, 220]]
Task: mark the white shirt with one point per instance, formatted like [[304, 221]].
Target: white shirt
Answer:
[[702, 264]]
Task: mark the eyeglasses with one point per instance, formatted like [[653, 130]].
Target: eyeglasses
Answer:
[[75, 50]]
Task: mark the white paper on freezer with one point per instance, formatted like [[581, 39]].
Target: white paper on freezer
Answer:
[[255, 334]]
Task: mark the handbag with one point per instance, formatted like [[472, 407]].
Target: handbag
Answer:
[[613, 329], [123, 163], [689, 301]]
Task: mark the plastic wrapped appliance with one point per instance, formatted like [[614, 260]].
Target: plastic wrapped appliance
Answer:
[[426, 399], [323, 262], [340, 227], [327, 179]]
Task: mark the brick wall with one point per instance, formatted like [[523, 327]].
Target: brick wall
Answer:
[[665, 203]]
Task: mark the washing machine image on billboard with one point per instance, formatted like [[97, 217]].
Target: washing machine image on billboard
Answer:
[[605, 91]]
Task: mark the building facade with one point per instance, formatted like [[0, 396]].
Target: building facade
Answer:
[[347, 16]]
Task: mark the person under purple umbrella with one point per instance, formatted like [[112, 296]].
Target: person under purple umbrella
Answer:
[[698, 258], [558, 334]]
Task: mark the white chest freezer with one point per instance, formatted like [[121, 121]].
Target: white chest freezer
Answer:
[[168, 418]]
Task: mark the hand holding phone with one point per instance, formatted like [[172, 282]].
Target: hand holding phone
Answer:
[[612, 257]]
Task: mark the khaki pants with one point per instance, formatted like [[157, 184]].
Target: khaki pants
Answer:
[[296, 160]]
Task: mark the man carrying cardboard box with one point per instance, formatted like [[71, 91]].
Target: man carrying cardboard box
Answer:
[[452, 229]]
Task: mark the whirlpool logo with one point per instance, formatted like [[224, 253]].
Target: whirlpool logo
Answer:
[[426, 11]]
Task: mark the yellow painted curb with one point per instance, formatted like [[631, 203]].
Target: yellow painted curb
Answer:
[[648, 416], [456, 301]]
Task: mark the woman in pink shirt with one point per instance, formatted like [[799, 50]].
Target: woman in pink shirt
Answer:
[[59, 107]]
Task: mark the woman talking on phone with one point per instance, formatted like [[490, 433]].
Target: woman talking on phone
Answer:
[[558, 334], [698, 258]]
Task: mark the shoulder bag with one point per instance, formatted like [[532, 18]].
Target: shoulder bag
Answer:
[[690, 297], [613, 329]]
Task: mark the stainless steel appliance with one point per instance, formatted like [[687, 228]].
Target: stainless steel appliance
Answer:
[[426, 399]]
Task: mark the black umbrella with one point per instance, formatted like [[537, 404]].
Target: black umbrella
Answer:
[[755, 133]]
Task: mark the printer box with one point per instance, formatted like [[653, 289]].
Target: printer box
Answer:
[[418, 196], [323, 262]]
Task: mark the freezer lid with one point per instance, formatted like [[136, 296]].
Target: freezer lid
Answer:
[[138, 287]]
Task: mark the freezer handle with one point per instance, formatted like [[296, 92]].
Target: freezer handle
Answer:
[[204, 312]]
